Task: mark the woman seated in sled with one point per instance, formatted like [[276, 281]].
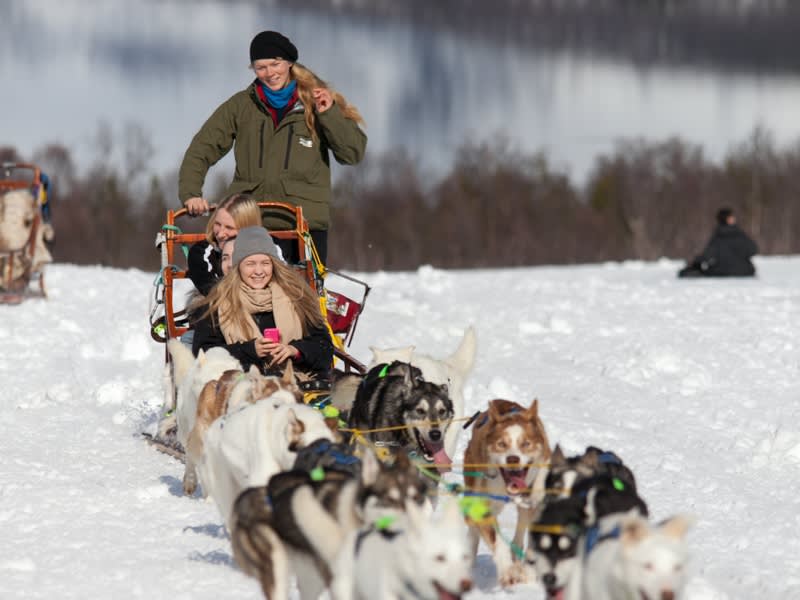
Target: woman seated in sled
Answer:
[[262, 292], [203, 261]]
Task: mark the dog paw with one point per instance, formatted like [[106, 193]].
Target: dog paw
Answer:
[[514, 575], [189, 485]]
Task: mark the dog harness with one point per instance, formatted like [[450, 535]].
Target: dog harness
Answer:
[[484, 418], [593, 537], [609, 458], [383, 529]]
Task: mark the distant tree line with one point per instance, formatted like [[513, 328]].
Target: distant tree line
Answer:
[[495, 207]]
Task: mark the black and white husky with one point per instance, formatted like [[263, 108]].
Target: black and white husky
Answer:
[[564, 473], [586, 491], [298, 522], [553, 543], [413, 414]]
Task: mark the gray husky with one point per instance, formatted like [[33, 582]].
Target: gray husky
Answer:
[[414, 413], [298, 522]]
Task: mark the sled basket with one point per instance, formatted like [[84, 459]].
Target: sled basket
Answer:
[[168, 320], [22, 262]]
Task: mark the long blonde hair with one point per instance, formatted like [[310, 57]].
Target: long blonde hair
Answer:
[[244, 211], [306, 82], [226, 294]]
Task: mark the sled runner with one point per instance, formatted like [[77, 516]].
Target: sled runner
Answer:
[[168, 320], [24, 228]]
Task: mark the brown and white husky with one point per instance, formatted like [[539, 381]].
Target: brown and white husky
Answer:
[[503, 461]]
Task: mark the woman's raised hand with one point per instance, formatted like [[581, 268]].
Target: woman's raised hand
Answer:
[[323, 99]]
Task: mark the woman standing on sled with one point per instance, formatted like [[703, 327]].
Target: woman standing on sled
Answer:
[[262, 292], [282, 129]]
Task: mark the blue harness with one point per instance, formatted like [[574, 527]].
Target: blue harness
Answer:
[[593, 537]]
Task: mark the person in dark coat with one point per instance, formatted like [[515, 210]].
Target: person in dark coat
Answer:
[[283, 129], [727, 253]]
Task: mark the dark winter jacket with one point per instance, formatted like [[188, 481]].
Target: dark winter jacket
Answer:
[[282, 163], [316, 348], [727, 254], [203, 266]]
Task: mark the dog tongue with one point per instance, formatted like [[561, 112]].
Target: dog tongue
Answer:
[[516, 483], [440, 457]]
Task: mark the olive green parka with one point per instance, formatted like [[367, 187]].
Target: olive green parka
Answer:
[[283, 163]]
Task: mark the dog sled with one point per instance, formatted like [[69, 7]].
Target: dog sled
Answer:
[[168, 319], [24, 229]]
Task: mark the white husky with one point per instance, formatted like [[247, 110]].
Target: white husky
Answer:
[[191, 375], [245, 448], [415, 557], [632, 559], [452, 370]]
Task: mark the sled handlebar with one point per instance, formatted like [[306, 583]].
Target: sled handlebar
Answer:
[[295, 212]]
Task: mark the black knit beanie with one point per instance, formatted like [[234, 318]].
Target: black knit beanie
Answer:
[[271, 44]]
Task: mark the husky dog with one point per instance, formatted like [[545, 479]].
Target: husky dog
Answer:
[[567, 523], [191, 375], [413, 557], [565, 473], [553, 543], [230, 392], [245, 448], [511, 435], [604, 495], [415, 413], [452, 371], [632, 559], [300, 519]]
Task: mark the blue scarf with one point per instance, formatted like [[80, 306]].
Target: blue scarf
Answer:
[[280, 98]]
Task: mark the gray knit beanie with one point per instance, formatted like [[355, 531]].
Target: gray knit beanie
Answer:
[[253, 240]]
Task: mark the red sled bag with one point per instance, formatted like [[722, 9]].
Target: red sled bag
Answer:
[[342, 311]]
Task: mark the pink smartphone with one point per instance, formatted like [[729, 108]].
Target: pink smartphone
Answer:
[[273, 334]]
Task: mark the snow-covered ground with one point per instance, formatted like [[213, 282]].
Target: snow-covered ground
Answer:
[[693, 383]]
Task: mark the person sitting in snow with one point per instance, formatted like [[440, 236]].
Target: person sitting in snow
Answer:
[[727, 254]]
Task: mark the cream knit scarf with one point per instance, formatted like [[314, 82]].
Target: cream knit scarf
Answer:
[[272, 298]]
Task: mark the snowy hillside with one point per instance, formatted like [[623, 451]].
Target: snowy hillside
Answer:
[[693, 383]]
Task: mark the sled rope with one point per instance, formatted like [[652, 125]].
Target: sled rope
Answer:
[[396, 427], [476, 508], [159, 280], [179, 231], [457, 489]]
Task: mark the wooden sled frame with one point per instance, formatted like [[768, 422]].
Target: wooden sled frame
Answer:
[[14, 291], [171, 241]]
